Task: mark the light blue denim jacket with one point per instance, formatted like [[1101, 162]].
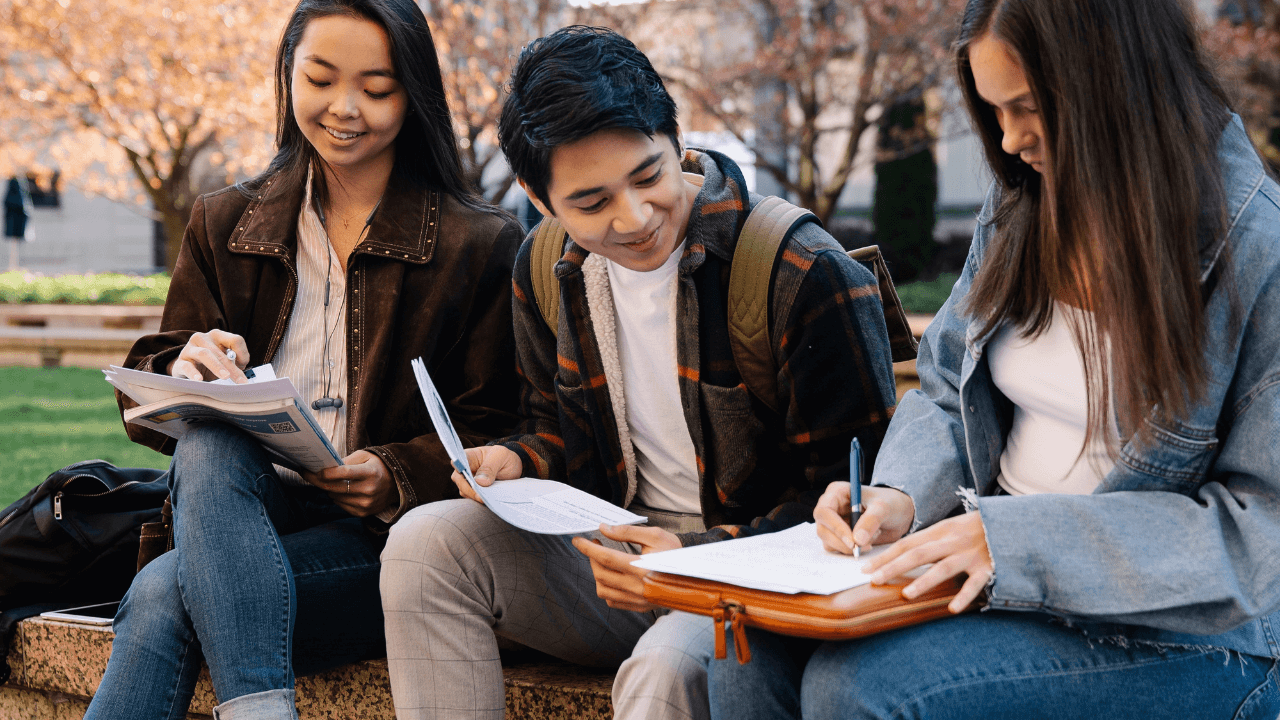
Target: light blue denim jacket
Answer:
[[1180, 544]]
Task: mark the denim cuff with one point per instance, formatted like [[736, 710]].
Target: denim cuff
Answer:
[[266, 705]]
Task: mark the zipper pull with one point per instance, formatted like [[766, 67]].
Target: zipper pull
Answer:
[[736, 615], [57, 505], [717, 616]]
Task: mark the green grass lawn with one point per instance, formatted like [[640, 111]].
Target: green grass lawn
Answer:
[[52, 418], [926, 297]]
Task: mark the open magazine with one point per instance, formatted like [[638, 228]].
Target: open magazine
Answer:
[[545, 507], [267, 407]]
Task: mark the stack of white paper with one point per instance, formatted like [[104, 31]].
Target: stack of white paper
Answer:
[[791, 561], [545, 507]]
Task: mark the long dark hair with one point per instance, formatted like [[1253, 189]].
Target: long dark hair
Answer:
[[426, 148], [1132, 192]]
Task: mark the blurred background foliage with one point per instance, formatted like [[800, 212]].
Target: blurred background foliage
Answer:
[[89, 289], [153, 103]]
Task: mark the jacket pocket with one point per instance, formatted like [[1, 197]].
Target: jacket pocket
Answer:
[[1175, 454], [572, 403], [730, 433]]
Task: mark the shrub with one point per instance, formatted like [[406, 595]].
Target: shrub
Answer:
[[927, 297], [88, 289]]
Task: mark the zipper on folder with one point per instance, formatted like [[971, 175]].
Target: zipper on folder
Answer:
[[737, 614], [717, 616]]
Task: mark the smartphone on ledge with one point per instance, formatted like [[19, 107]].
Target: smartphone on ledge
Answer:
[[101, 614]]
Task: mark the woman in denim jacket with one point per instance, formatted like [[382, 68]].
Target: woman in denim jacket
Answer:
[[1095, 438]]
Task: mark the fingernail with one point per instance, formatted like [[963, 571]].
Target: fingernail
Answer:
[[877, 579], [848, 542], [481, 476], [910, 592]]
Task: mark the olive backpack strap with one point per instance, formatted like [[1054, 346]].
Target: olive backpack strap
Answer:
[[771, 221], [548, 246], [767, 228]]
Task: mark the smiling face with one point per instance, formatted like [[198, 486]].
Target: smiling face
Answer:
[[620, 193], [1000, 80], [346, 98]]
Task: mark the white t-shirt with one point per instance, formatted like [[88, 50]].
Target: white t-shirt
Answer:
[[666, 462], [1044, 378]]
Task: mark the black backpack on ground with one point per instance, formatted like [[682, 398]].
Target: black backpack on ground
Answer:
[[73, 540]]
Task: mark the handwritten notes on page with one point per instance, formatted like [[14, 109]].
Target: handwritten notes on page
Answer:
[[791, 561]]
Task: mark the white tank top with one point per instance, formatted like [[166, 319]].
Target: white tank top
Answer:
[[1044, 378]]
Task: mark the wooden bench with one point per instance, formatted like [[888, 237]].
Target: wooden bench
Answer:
[[57, 667], [84, 335], [111, 317], [51, 346]]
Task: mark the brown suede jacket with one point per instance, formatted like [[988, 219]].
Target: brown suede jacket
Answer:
[[432, 278]]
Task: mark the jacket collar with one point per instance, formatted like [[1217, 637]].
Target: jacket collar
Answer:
[[405, 226], [1242, 176]]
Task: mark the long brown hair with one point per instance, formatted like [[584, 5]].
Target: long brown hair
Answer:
[[1131, 193]]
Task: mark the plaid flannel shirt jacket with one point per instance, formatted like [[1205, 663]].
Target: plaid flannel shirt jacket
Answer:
[[759, 471]]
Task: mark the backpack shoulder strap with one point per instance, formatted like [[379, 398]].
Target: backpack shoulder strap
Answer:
[[771, 221], [768, 226], [548, 246]]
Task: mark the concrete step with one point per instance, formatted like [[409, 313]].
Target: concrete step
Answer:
[[57, 667]]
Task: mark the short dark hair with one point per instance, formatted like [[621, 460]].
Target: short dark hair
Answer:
[[574, 82]]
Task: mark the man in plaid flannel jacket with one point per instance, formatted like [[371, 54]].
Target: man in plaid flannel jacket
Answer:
[[636, 398]]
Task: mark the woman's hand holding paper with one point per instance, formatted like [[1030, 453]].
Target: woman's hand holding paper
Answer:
[[361, 485], [954, 546], [619, 583]]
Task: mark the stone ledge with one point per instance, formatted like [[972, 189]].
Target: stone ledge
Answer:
[[57, 667]]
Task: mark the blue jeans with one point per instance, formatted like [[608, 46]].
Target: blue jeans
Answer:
[[264, 580], [993, 666]]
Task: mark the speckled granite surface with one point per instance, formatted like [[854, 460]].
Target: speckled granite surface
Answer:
[[362, 690], [553, 690], [23, 704], [57, 666]]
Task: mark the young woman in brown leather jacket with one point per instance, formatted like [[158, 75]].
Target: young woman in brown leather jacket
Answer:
[[360, 248]]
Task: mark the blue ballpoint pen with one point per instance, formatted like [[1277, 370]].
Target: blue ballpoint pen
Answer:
[[855, 487]]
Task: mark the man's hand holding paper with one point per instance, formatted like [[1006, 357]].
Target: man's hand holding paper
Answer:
[[618, 582], [489, 463]]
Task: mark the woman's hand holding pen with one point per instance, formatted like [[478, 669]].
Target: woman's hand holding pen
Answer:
[[213, 355], [488, 463], [887, 517], [954, 546]]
